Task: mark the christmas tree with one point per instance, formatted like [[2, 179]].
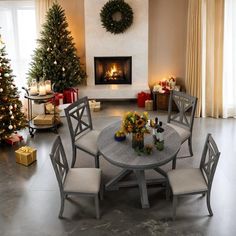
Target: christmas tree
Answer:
[[55, 57], [11, 117]]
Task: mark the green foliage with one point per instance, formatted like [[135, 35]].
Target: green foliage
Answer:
[[55, 57], [11, 117], [107, 16]]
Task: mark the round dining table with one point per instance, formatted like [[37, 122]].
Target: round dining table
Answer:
[[121, 154]]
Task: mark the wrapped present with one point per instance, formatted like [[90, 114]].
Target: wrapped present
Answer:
[[26, 155], [142, 97], [94, 105], [70, 95], [59, 99], [50, 108], [149, 105], [43, 120], [37, 109], [14, 138]]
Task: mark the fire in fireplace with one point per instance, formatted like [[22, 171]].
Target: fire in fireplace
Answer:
[[113, 70]]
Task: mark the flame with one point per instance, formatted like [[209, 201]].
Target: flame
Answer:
[[112, 71]]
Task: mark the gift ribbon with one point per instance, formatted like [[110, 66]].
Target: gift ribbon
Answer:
[[26, 149]]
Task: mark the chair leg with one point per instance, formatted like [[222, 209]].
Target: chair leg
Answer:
[[101, 192], [208, 198], [190, 146], [97, 161], [73, 157], [167, 191], [175, 201], [97, 207], [62, 206]]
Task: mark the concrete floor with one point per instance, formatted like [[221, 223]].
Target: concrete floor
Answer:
[[29, 196]]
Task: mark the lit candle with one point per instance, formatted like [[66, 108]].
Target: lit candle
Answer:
[[48, 86], [42, 89], [34, 87]]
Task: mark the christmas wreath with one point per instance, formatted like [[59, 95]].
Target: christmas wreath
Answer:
[[116, 16]]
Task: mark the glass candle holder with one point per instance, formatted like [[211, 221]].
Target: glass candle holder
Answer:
[[34, 87], [42, 88], [48, 86]]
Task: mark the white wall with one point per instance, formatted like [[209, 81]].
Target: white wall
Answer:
[[133, 42]]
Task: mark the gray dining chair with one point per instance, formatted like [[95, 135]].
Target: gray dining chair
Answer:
[[182, 121], [75, 181], [83, 136], [195, 180]]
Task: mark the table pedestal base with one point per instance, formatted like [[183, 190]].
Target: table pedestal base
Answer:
[[141, 182]]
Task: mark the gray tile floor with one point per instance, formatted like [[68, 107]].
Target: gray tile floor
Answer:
[[29, 196]]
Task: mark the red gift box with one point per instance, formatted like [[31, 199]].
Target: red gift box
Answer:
[[14, 138], [70, 95], [59, 98], [142, 97]]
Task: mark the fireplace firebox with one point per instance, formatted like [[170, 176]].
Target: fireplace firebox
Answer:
[[113, 70]]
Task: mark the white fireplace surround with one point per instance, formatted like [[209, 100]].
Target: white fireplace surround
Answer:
[[100, 43]]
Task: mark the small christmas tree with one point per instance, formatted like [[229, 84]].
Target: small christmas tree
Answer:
[[11, 117], [55, 57]]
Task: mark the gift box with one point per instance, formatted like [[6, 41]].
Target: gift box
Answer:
[[37, 109], [94, 105], [142, 97], [149, 105], [14, 138], [70, 95], [59, 99], [43, 120], [51, 109], [26, 155]]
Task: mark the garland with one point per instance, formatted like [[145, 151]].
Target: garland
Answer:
[[107, 16]]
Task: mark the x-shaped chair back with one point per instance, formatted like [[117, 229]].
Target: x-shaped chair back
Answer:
[[79, 117], [184, 103], [59, 162], [209, 160]]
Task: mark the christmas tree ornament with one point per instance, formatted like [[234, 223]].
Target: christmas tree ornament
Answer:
[[12, 117], [15, 105], [6, 75], [10, 112], [1, 90], [10, 127], [10, 107], [55, 62], [63, 69]]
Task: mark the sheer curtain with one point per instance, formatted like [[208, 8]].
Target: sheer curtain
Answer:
[[18, 30], [229, 68]]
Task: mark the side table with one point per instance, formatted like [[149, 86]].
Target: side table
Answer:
[[42, 99]]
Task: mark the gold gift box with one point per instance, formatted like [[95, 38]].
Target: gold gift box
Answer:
[[149, 105], [26, 155], [44, 120]]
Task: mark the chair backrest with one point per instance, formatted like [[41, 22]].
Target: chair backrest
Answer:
[[78, 116], [184, 103], [59, 161], [209, 160]]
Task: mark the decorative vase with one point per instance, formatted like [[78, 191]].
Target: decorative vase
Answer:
[[137, 140]]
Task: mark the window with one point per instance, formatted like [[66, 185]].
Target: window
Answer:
[[18, 30]]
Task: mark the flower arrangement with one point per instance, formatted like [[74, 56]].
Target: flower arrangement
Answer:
[[165, 85], [135, 123]]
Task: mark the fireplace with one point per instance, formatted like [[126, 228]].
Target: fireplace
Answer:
[[113, 70]]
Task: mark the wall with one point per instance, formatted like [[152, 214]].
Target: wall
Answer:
[[167, 35], [167, 39], [74, 10], [133, 42]]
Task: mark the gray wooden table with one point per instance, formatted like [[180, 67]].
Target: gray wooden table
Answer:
[[122, 154]]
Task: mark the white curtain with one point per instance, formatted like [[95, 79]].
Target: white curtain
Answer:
[[229, 67], [17, 27]]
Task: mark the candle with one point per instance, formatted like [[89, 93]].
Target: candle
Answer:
[[48, 86], [42, 89], [34, 87]]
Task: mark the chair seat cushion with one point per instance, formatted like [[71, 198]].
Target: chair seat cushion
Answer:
[[183, 133], [83, 180], [88, 142], [183, 181]]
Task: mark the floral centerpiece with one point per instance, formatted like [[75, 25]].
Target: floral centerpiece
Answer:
[[136, 124]]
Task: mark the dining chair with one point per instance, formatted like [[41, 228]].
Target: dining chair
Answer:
[[195, 180], [83, 136], [182, 120], [74, 181]]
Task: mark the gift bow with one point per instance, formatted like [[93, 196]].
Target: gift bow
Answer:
[[26, 149]]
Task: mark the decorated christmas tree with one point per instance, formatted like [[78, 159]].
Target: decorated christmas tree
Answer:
[[11, 117], [56, 58]]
